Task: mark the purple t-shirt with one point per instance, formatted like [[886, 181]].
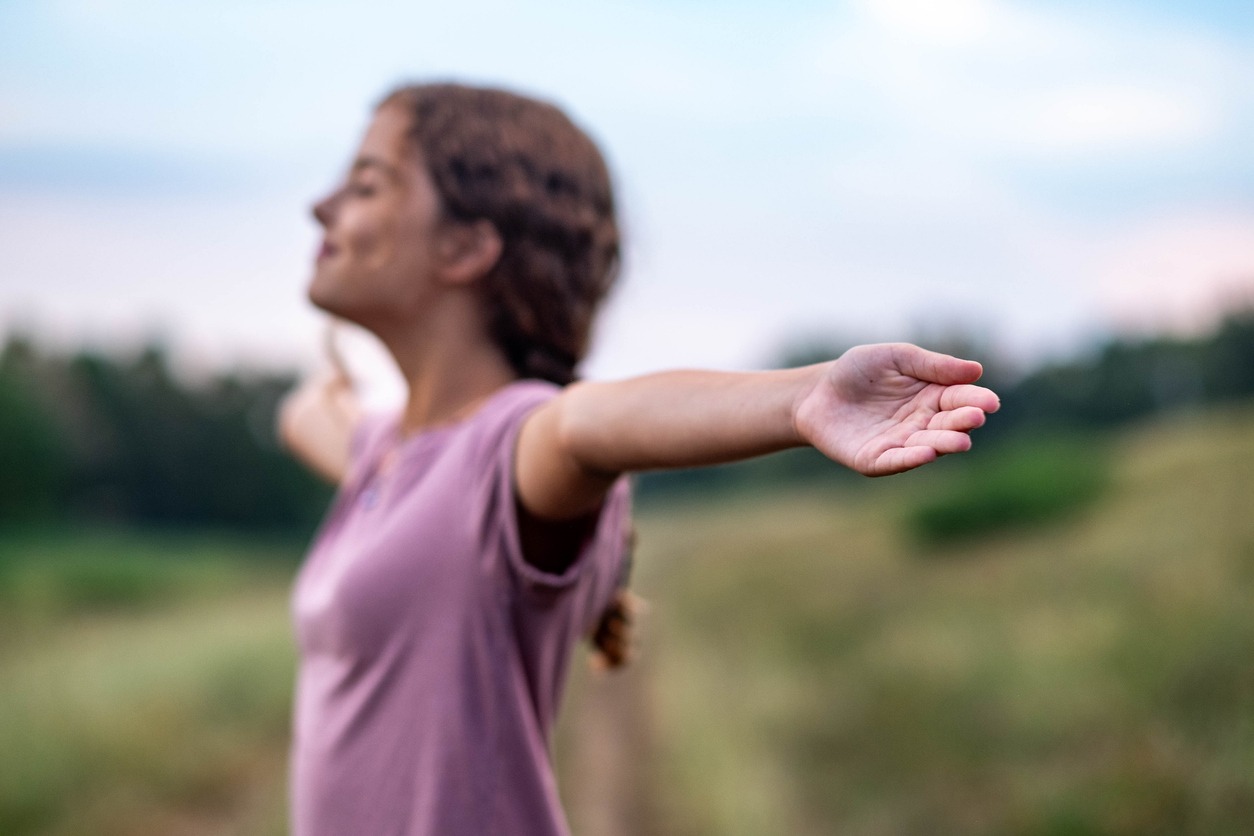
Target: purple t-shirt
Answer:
[[432, 655]]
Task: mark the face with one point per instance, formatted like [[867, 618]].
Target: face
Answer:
[[376, 264]]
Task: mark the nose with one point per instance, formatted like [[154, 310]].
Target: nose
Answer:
[[323, 209]]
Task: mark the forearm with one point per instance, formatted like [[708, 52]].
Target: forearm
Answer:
[[878, 409], [681, 418], [571, 450]]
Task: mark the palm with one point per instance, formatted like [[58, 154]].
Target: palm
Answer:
[[882, 409]]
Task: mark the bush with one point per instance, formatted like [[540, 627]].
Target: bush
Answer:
[[1017, 485], [54, 574]]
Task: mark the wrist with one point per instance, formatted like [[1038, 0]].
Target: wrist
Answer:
[[806, 381]]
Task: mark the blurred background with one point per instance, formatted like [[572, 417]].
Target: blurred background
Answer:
[[1051, 635]]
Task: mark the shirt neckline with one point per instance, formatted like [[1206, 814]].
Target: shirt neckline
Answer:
[[400, 446]]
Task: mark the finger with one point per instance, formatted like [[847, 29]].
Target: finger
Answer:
[[956, 397], [942, 441], [935, 367], [901, 459], [963, 420]]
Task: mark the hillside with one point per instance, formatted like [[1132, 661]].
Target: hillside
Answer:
[[809, 668]]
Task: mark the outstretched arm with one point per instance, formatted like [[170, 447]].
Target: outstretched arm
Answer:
[[878, 409]]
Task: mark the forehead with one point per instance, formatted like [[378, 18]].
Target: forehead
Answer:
[[386, 138]]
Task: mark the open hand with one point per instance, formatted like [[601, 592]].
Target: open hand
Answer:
[[882, 409]]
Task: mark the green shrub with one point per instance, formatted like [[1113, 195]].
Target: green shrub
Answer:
[[1021, 484], [55, 574]]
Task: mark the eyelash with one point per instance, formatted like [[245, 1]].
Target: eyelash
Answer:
[[361, 190]]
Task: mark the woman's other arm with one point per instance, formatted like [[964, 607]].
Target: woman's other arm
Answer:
[[878, 409], [316, 422]]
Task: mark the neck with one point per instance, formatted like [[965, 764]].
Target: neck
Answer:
[[450, 366]]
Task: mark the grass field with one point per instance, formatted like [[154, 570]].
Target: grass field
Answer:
[[815, 670], [144, 684], [809, 666]]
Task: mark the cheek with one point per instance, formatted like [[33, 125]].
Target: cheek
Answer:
[[385, 249], [367, 244]]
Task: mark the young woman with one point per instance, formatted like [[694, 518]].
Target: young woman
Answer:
[[482, 530]]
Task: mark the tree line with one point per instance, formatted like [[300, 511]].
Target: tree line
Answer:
[[99, 437], [1119, 381], [1128, 379], [89, 436]]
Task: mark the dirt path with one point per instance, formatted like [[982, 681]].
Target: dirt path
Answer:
[[607, 754]]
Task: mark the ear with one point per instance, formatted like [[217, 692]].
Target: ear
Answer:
[[468, 251]]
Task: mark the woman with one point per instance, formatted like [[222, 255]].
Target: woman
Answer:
[[483, 529]]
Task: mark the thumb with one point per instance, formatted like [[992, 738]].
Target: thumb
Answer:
[[935, 367]]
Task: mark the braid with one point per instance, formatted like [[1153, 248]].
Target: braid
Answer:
[[543, 363], [612, 637]]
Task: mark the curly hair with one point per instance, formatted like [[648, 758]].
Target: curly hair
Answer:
[[525, 167]]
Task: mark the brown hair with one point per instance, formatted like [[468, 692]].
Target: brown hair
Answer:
[[522, 165], [525, 167]]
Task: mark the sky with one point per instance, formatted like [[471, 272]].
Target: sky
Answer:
[[1036, 173]]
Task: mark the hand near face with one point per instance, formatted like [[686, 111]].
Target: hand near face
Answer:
[[883, 409]]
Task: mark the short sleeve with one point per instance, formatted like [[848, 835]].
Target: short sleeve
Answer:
[[604, 552]]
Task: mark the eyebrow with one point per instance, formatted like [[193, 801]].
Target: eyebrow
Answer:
[[363, 163]]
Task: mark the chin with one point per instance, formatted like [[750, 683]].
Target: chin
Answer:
[[329, 304], [319, 296]]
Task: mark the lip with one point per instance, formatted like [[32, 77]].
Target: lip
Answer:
[[326, 250]]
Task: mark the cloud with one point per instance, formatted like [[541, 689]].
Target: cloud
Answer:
[[224, 277], [104, 169], [1177, 271], [952, 23], [1113, 118], [1029, 83], [854, 166]]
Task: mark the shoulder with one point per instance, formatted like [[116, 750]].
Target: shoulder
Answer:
[[521, 396], [498, 421]]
